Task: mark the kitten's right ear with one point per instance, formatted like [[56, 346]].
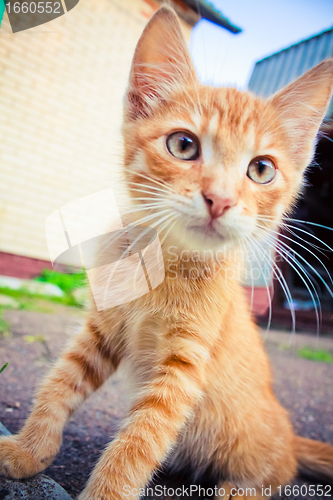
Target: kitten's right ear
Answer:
[[161, 63], [302, 106]]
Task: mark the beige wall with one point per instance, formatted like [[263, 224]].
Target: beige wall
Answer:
[[61, 90]]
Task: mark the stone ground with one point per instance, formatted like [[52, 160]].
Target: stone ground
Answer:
[[304, 387]]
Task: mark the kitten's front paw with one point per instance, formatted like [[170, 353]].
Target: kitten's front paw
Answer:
[[16, 461]]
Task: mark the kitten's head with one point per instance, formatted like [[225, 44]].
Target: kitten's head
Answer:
[[213, 165]]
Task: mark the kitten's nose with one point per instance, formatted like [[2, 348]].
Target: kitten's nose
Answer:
[[217, 205]]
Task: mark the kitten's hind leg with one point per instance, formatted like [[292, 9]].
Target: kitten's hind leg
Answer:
[[82, 368]]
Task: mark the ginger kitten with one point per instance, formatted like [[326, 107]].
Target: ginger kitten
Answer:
[[217, 160]]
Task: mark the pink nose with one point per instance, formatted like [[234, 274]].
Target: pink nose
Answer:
[[217, 205]]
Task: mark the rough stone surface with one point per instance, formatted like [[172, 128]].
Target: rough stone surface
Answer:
[[38, 488]]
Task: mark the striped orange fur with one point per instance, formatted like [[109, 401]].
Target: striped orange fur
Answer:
[[202, 397]]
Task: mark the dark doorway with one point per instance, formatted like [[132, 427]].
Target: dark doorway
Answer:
[[316, 206]]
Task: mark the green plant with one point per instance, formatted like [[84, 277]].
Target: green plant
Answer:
[[315, 354], [22, 294], [67, 282], [4, 325], [28, 300], [4, 367]]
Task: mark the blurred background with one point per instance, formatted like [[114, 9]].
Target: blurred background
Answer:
[[61, 90]]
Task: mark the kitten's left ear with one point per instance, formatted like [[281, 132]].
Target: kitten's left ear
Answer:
[[161, 63], [302, 106]]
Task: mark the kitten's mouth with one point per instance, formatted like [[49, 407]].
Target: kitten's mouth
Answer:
[[209, 231]]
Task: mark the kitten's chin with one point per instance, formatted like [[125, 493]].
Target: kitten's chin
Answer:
[[205, 238]]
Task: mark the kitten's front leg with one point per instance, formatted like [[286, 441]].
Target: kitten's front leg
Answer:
[[82, 368], [153, 425]]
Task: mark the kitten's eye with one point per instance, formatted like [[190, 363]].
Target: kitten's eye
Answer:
[[183, 146], [261, 170]]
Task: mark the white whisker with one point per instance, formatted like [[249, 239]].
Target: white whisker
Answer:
[[281, 279], [298, 255], [166, 187]]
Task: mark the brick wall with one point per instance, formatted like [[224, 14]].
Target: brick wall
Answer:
[[61, 90]]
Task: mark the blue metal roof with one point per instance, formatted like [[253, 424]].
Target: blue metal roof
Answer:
[[207, 10], [275, 71]]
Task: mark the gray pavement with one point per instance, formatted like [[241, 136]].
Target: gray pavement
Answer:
[[304, 387]]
